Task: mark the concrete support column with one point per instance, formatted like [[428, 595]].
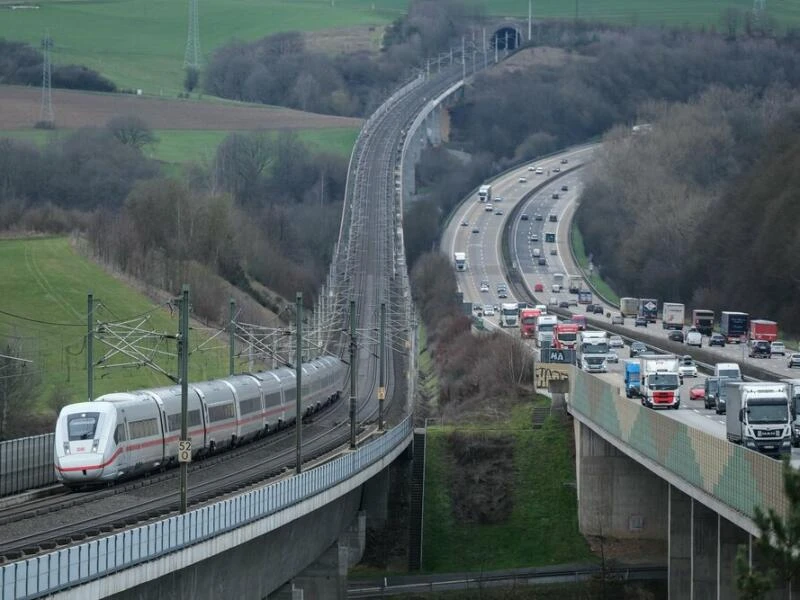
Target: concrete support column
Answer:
[[679, 564], [730, 538], [705, 548], [375, 500], [617, 497]]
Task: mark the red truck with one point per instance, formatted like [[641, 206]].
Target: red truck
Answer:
[[527, 322], [761, 329], [565, 335]]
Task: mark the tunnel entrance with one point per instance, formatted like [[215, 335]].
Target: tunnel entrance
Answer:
[[506, 38]]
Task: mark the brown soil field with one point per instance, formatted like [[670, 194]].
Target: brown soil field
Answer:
[[19, 109]]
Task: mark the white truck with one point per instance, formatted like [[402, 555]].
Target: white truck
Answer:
[[509, 314], [575, 284], [672, 315], [629, 307], [661, 382], [592, 351], [544, 329], [794, 397], [460, 258], [759, 416], [485, 193], [558, 282]]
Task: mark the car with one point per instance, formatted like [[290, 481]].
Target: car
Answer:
[[465, 223], [553, 252], [716, 339], [534, 237], [484, 286], [778, 348], [590, 308], [563, 304], [488, 208], [612, 357], [502, 294], [488, 310], [538, 217], [573, 302], [676, 335], [564, 161], [640, 322], [556, 170], [523, 180], [618, 320], [498, 211], [693, 337], [598, 309], [553, 301], [552, 218], [498, 198], [542, 261], [697, 391], [539, 170], [475, 230], [531, 168], [555, 196], [615, 342], [687, 367], [539, 287], [759, 349], [523, 217], [564, 188], [794, 360], [637, 348]]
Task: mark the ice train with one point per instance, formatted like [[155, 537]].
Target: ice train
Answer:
[[121, 435]]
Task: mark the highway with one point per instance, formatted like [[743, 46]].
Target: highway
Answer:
[[535, 195]]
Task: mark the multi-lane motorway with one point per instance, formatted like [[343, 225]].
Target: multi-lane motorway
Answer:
[[478, 232]]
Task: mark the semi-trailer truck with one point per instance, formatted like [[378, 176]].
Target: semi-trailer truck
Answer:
[[460, 259], [593, 351], [633, 377], [629, 307], [759, 416], [703, 320], [584, 296], [575, 282], [661, 382], [544, 329], [565, 335], [509, 314], [485, 193], [672, 315], [527, 322], [761, 329], [734, 326], [648, 308]]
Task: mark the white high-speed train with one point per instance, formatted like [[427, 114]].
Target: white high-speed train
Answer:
[[121, 435]]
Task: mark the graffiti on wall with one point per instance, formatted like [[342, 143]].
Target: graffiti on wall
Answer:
[[547, 372]]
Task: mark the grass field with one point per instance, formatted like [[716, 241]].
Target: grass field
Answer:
[[140, 43], [185, 145], [543, 526], [583, 262], [45, 279]]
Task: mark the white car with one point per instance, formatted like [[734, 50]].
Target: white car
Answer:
[[694, 338], [615, 342], [498, 198], [553, 301], [539, 170], [531, 168], [488, 310], [687, 368], [523, 180], [777, 348], [534, 237], [484, 286], [612, 357]]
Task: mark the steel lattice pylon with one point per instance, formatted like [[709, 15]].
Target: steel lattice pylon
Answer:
[[191, 57], [46, 114]]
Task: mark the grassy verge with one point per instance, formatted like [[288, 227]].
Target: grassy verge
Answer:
[[45, 286], [428, 380], [578, 249], [181, 146], [542, 528]]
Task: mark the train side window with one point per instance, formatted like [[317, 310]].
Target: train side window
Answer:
[[119, 433], [220, 412], [143, 428]]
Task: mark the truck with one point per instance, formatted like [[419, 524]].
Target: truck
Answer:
[[661, 382], [544, 329], [565, 335], [793, 389], [485, 193], [761, 329], [672, 315], [584, 296], [558, 282], [592, 351], [550, 237], [460, 259], [633, 377], [509, 314], [734, 326], [629, 307], [575, 283], [759, 416], [527, 320], [648, 308], [703, 320]]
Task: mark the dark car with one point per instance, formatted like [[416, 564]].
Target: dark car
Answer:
[[555, 195], [598, 309], [564, 161], [563, 304], [556, 170], [640, 322], [760, 349], [637, 348], [538, 217], [523, 217], [676, 336], [564, 188], [590, 308], [716, 339], [542, 261]]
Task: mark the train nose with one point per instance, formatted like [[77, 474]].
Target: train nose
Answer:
[[80, 467]]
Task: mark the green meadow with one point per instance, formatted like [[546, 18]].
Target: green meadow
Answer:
[[43, 312], [178, 146]]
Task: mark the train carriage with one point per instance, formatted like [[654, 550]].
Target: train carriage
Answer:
[[220, 411]]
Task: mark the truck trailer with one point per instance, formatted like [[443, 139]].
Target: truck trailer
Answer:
[[575, 283], [761, 329], [460, 260], [703, 320], [672, 315], [758, 416], [485, 193], [629, 307], [734, 326], [633, 377], [648, 308]]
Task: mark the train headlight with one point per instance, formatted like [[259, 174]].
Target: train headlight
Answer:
[[95, 444], [66, 447]]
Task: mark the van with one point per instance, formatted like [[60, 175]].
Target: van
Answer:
[[731, 370], [489, 208], [537, 252], [694, 338]]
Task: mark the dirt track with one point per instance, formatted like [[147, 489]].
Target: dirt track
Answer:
[[19, 109]]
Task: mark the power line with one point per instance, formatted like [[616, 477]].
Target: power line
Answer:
[[40, 321]]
